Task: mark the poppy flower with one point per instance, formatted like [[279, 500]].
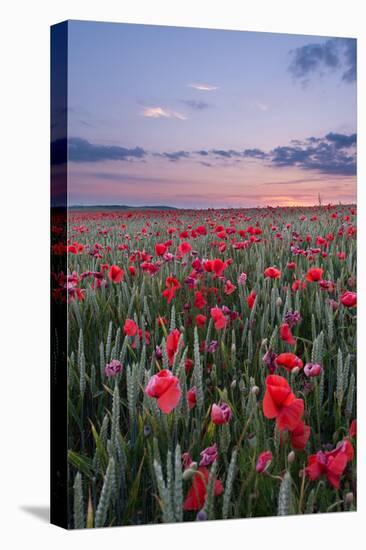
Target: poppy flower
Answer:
[[263, 462], [272, 273], [184, 248], [280, 403], [160, 249], [269, 359], [130, 328], [216, 266], [312, 370], [326, 285], [113, 368], [353, 428], [251, 299], [221, 414], [197, 493], [188, 365], [186, 460], [201, 230], [218, 317], [229, 287], [172, 344], [349, 299], [165, 387], [115, 274], [201, 320], [314, 274], [289, 361], [286, 334], [192, 397], [300, 436], [172, 285], [209, 455], [330, 463], [199, 300], [298, 285]]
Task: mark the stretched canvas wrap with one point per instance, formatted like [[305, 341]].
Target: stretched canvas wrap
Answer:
[[203, 267]]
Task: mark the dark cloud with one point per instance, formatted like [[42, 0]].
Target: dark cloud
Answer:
[[350, 53], [254, 153], [334, 154], [81, 150], [226, 153], [342, 140], [196, 105], [175, 155], [334, 54]]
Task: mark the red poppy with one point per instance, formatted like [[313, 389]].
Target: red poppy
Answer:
[[188, 365], [298, 285], [229, 287], [197, 493], [263, 461], [314, 274], [291, 265], [286, 334], [115, 274], [221, 414], [280, 403], [353, 428], [251, 299], [165, 387], [300, 436], [199, 300], [130, 328], [192, 397], [201, 230], [289, 361], [218, 317], [330, 463], [172, 285], [172, 344], [349, 299], [184, 248], [272, 273], [160, 249], [216, 266], [200, 320]]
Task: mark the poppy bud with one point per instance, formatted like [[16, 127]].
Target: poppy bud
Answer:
[[291, 457], [279, 302], [255, 390], [349, 498], [189, 473], [233, 384], [201, 516], [147, 431], [295, 371]]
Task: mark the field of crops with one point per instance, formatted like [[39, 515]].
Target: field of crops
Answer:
[[211, 363]]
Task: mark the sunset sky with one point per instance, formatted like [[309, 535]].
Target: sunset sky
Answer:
[[209, 118]]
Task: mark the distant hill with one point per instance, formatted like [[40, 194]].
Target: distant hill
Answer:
[[120, 207]]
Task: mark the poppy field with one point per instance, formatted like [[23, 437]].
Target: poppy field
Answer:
[[211, 363]]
